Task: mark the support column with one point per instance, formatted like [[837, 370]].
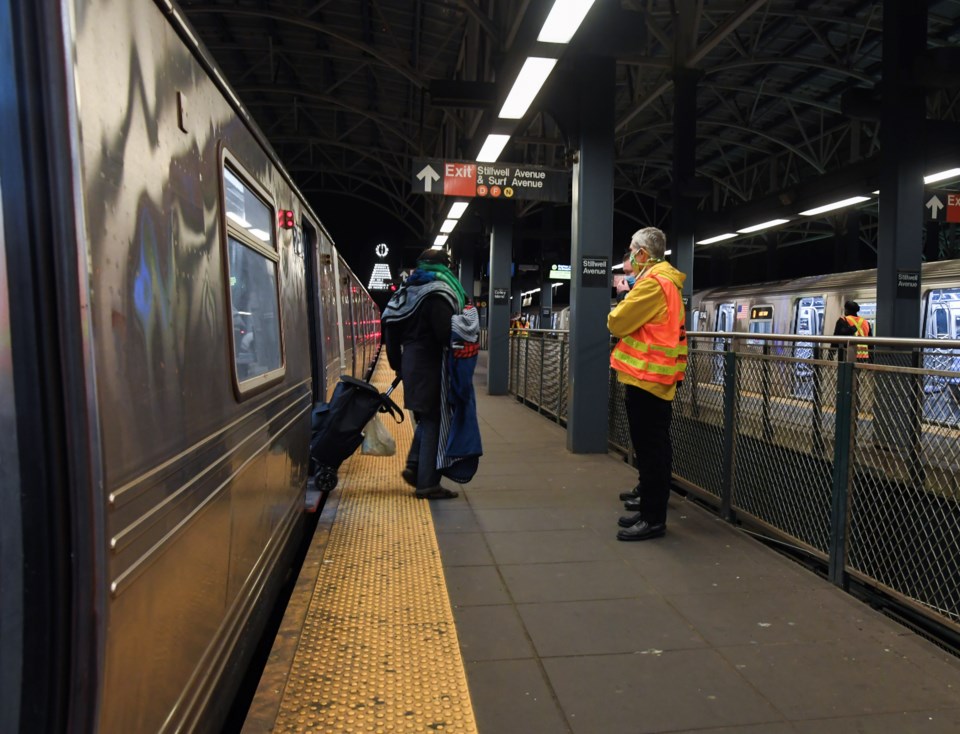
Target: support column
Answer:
[[498, 302], [901, 174], [546, 303], [591, 245], [684, 213], [467, 267]]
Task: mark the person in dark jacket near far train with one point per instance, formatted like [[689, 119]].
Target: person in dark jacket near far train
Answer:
[[416, 328]]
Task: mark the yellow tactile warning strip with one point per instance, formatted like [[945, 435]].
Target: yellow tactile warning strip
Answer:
[[379, 649]]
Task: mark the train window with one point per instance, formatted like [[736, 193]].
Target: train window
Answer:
[[943, 311], [761, 322], [808, 316], [699, 321], [253, 265]]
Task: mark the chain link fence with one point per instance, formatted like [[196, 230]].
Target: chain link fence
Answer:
[[856, 463]]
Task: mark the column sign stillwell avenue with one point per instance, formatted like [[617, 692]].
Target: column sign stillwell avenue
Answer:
[[594, 273], [490, 180]]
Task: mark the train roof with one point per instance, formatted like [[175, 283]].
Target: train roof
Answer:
[[935, 272]]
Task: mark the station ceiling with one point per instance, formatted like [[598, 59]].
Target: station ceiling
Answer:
[[349, 92]]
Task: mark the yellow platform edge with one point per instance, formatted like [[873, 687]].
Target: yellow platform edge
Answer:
[[368, 641]]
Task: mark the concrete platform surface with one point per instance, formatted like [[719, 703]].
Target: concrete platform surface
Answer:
[[564, 629]]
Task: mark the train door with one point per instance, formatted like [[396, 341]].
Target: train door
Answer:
[[807, 321], [724, 322], [315, 311], [942, 321]]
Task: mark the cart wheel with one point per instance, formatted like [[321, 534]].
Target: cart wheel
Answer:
[[326, 479]]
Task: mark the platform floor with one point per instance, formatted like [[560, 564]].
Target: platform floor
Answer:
[[561, 628]]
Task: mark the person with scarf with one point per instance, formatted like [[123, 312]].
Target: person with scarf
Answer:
[[416, 327]]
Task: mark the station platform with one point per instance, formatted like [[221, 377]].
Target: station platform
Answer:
[[513, 608]]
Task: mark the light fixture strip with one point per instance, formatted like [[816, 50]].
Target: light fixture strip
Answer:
[[762, 225], [835, 205], [933, 177], [440, 241], [492, 148], [718, 238], [563, 21], [457, 209], [448, 225], [534, 73]]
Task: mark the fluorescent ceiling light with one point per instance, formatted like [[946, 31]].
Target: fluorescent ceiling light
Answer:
[[718, 238], [527, 293], [952, 173], [492, 148], [877, 192], [618, 266], [440, 241], [762, 225], [448, 225], [667, 252], [564, 19], [534, 73], [835, 205], [457, 210]]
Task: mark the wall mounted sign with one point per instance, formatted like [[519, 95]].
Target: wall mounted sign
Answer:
[[595, 272]]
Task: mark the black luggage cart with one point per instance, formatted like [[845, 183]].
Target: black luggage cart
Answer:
[[338, 426]]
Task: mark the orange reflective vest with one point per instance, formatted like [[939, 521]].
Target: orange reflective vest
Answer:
[[863, 329], [656, 352]]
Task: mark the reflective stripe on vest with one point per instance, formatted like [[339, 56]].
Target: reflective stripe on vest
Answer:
[[863, 329], [656, 352]]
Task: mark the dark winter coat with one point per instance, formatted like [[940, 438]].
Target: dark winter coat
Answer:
[[415, 351]]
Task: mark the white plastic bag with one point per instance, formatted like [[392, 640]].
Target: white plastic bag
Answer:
[[377, 440]]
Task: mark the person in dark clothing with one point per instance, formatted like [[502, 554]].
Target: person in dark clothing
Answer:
[[851, 324], [416, 328]]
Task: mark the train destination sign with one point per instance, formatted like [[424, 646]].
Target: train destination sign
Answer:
[[490, 180]]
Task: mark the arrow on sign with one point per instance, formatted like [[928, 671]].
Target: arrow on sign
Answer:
[[934, 205], [428, 176]]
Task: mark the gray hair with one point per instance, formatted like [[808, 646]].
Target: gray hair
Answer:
[[651, 239]]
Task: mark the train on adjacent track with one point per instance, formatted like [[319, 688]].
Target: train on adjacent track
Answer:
[[175, 309]]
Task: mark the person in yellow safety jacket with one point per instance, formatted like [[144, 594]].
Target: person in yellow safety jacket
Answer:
[[851, 324], [650, 359]]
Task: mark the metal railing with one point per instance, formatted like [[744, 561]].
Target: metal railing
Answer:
[[856, 463]]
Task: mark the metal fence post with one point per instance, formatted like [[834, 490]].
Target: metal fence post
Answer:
[[765, 390], [729, 433], [561, 386], [543, 356], [842, 445], [817, 412]]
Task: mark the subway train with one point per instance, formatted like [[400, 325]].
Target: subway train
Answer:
[[170, 310], [811, 305]]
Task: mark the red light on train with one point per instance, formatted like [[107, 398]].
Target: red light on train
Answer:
[[285, 218], [393, 287]]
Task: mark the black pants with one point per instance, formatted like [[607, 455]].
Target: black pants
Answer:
[[649, 418], [422, 456]]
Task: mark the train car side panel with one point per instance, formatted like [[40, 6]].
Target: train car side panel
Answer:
[[202, 484]]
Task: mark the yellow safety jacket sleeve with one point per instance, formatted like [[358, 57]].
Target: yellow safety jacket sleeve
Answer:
[[644, 304]]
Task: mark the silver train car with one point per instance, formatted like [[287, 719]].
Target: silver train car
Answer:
[[170, 310], [810, 306]]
